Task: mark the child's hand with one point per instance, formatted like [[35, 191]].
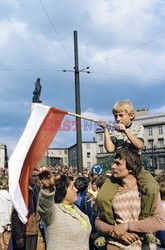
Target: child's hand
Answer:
[[102, 123], [120, 127]]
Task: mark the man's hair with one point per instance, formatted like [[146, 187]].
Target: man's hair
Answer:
[[132, 158], [123, 105], [61, 188], [81, 183]]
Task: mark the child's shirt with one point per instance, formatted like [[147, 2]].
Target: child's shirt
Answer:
[[120, 140]]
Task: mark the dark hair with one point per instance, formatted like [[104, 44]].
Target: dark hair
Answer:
[[94, 180], [100, 181], [61, 188], [132, 158], [81, 183]]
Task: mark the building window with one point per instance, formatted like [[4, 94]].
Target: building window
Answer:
[[88, 145], [150, 131], [88, 154], [160, 130], [100, 137], [162, 162], [161, 143], [150, 143], [65, 151], [101, 148]]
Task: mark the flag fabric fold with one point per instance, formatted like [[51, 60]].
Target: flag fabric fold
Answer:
[[39, 132]]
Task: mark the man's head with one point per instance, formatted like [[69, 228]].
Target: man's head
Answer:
[[123, 112], [126, 162], [33, 180]]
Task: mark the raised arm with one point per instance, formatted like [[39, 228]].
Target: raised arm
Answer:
[[46, 206], [108, 144]]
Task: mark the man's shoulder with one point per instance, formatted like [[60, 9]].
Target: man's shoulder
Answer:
[[147, 182], [109, 188]]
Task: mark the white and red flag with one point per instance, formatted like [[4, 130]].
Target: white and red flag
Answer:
[[39, 132]]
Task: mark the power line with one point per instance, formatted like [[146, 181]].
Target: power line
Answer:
[[49, 70], [128, 51], [53, 26], [129, 76], [83, 71], [10, 70]]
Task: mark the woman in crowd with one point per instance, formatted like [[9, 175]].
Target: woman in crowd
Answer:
[[66, 226]]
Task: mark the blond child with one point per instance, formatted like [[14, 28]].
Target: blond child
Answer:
[[124, 133]]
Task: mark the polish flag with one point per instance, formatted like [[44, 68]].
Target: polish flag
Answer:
[[39, 132]]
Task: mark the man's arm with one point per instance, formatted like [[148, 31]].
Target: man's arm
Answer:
[[109, 230], [103, 227], [151, 224]]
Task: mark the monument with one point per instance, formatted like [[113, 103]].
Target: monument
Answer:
[[37, 92]]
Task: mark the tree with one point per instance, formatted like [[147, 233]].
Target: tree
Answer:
[[105, 162]]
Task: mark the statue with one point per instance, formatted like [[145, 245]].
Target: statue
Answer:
[[37, 92]]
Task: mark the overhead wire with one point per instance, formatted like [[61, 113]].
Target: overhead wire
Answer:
[[129, 76], [57, 70], [55, 30], [127, 51]]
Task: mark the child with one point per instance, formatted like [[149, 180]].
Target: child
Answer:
[[124, 133]]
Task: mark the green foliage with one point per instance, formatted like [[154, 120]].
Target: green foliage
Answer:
[[146, 161], [105, 162]]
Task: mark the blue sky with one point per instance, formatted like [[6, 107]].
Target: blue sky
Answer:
[[31, 47]]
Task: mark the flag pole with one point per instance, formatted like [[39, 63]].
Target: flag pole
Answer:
[[108, 125], [82, 117]]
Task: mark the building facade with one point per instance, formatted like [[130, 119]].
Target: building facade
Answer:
[[3, 156], [54, 157], [154, 137], [58, 156], [89, 152]]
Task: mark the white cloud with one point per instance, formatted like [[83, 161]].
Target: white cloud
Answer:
[[158, 110]]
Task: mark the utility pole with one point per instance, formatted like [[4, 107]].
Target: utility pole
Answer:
[[77, 105]]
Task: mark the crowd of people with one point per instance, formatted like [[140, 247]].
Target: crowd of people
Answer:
[[120, 209]]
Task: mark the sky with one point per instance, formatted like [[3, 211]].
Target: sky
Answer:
[[121, 41]]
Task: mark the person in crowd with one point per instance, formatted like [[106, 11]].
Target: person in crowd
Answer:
[[124, 133], [5, 215], [128, 212], [25, 236], [93, 189], [161, 234], [67, 227], [100, 181], [86, 203]]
